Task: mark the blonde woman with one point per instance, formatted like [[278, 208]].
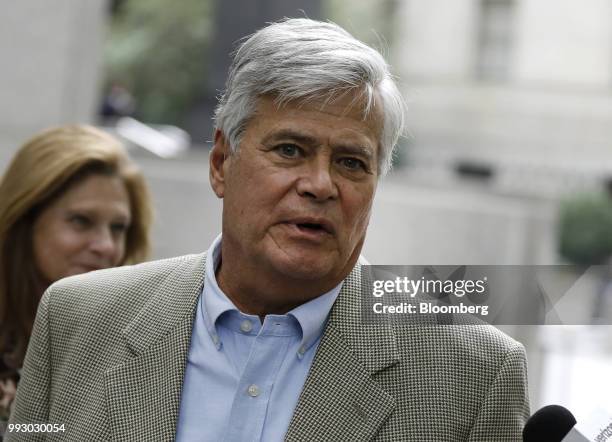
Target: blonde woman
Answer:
[[71, 201]]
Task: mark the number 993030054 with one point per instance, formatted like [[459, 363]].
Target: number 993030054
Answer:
[[35, 428]]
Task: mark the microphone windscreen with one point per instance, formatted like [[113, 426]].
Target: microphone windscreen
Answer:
[[549, 424]]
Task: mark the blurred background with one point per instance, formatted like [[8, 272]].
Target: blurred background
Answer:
[[508, 159]]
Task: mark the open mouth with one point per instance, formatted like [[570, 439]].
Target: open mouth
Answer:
[[312, 227]]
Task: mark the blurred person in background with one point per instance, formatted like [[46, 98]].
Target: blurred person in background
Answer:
[[118, 102], [71, 201]]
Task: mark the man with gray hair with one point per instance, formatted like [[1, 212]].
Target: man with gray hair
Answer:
[[260, 338]]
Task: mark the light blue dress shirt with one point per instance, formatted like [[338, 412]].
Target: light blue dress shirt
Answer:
[[243, 378]]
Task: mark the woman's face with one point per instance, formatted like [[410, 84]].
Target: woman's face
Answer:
[[82, 230]]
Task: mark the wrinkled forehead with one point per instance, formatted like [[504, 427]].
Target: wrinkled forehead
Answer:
[[353, 99], [352, 102]]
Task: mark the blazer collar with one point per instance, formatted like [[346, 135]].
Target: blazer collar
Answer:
[[143, 393], [374, 345], [341, 399], [174, 299]]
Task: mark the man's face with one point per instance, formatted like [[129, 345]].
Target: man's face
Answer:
[[298, 193]]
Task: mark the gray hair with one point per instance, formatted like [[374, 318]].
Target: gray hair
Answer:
[[302, 59]]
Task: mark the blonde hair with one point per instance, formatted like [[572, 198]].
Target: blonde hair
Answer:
[[42, 170]]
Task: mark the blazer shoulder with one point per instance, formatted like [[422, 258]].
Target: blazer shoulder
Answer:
[[489, 342], [481, 343], [126, 277], [121, 289]]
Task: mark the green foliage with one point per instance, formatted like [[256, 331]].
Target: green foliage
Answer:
[[158, 50], [371, 21], [586, 229]]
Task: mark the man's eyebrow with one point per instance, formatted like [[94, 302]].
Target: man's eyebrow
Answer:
[[356, 150], [291, 134]]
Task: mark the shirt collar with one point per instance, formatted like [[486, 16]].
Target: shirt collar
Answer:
[[312, 315], [215, 302]]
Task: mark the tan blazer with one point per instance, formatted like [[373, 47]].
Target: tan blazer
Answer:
[[109, 349]]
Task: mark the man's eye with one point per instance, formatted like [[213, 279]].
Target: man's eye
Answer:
[[288, 150], [353, 164]]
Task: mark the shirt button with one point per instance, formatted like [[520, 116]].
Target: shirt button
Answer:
[[301, 350], [246, 326], [253, 390]]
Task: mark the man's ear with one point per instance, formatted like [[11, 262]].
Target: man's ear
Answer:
[[219, 159]]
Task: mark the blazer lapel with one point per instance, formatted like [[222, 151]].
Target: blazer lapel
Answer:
[[143, 393], [341, 400]]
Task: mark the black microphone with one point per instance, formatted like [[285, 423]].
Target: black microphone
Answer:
[[554, 423], [549, 424]]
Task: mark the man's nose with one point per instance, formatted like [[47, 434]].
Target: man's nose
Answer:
[[317, 181]]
